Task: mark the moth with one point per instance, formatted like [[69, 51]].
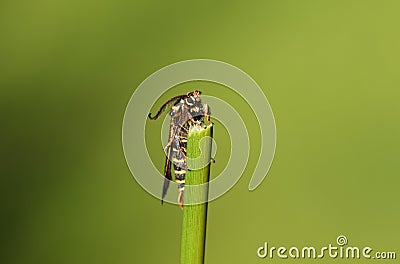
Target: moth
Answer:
[[187, 110]]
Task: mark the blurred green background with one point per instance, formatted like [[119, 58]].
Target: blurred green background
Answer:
[[330, 70]]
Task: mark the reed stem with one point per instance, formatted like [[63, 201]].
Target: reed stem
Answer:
[[195, 215]]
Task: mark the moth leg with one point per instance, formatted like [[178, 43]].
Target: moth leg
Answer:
[[207, 113], [180, 180], [180, 175]]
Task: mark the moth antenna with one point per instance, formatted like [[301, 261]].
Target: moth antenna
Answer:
[[162, 108]]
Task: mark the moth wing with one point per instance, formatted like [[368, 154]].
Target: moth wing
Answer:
[[167, 173]]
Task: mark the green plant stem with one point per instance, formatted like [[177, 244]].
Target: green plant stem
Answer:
[[195, 215]]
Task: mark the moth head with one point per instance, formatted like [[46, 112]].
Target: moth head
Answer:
[[195, 95]]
